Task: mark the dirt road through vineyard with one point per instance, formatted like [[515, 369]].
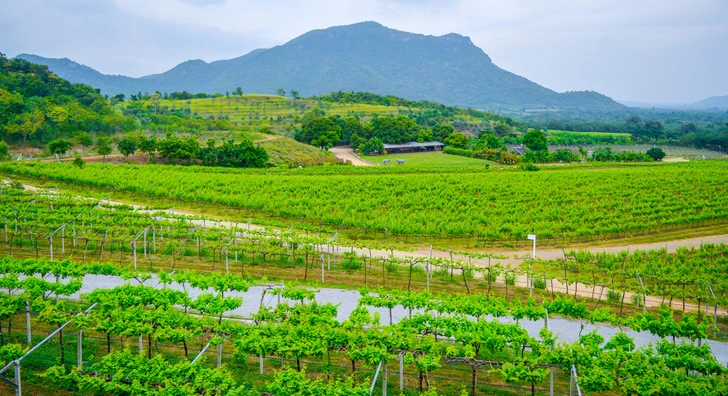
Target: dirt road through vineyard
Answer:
[[348, 155]]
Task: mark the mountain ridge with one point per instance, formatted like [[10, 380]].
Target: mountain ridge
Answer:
[[365, 56]]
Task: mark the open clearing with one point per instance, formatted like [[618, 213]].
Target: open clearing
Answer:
[[427, 159]]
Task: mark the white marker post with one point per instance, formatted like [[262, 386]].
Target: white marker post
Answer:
[[531, 237]]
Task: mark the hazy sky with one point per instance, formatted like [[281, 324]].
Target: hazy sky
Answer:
[[658, 51]]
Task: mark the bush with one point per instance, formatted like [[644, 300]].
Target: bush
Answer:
[[501, 157], [656, 153], [614, 296], [539, 283], [529, 167]]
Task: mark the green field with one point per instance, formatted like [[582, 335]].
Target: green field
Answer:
[[426, 160], [470, 202], [617, 134]]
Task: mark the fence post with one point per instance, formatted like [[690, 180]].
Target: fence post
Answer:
[[27, 322], [79, 353], [261, 364], [219, 355], [401, 372], [141, 344], [18, 389], [571, 382]]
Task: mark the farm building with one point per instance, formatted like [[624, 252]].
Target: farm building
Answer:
[[412, 147]]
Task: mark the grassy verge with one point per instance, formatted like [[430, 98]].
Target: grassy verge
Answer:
[[427, 159]]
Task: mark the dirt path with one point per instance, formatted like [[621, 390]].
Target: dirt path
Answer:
[[268, 138], [348, 155]]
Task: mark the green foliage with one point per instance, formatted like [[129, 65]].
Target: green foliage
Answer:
[[457, 140], [79, 162], [84, 139], [127, 146], [4, 150], [502, 157], [374, 144], [606, 154], [656, 153], [535, 140], [178, 148], [529, 167], [291, 383], [240, 155], [320, 132], [37, 105], [394, 129], [103, 146], [440, 132], [59, 146], [148, 144], [460, 202]]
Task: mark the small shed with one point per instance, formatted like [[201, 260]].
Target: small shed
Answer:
[[519, 149], [413, 147]]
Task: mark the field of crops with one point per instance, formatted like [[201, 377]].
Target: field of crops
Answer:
[[182, 329], [571, 203]]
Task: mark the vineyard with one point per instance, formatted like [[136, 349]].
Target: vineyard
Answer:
[[474, 206], [139, 337], [146, 301]]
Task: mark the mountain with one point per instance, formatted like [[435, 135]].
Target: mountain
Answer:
[[365, 56], [713, 102]]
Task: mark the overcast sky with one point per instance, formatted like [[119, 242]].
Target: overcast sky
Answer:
[[657, 51]]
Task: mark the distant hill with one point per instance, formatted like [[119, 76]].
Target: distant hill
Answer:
[[714, 102], [36, 105], [365, 56]]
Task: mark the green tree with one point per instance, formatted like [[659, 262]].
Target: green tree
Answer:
[[535, 140], [656, 153], [349, 127], [373, 144], [440, 132], [653, 130], [311, 115], [174, 147], [294, 94], [239, 91], [394, 129], [127, 146], [357, 141], [320, 132], [59, 147], [148, 145], [492, 141], [424, 135], [103, 146], [281, 92], [457, 139], [502, 129], [84, 139]]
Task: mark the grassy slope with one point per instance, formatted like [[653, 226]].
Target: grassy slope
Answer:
[[286, 151]]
